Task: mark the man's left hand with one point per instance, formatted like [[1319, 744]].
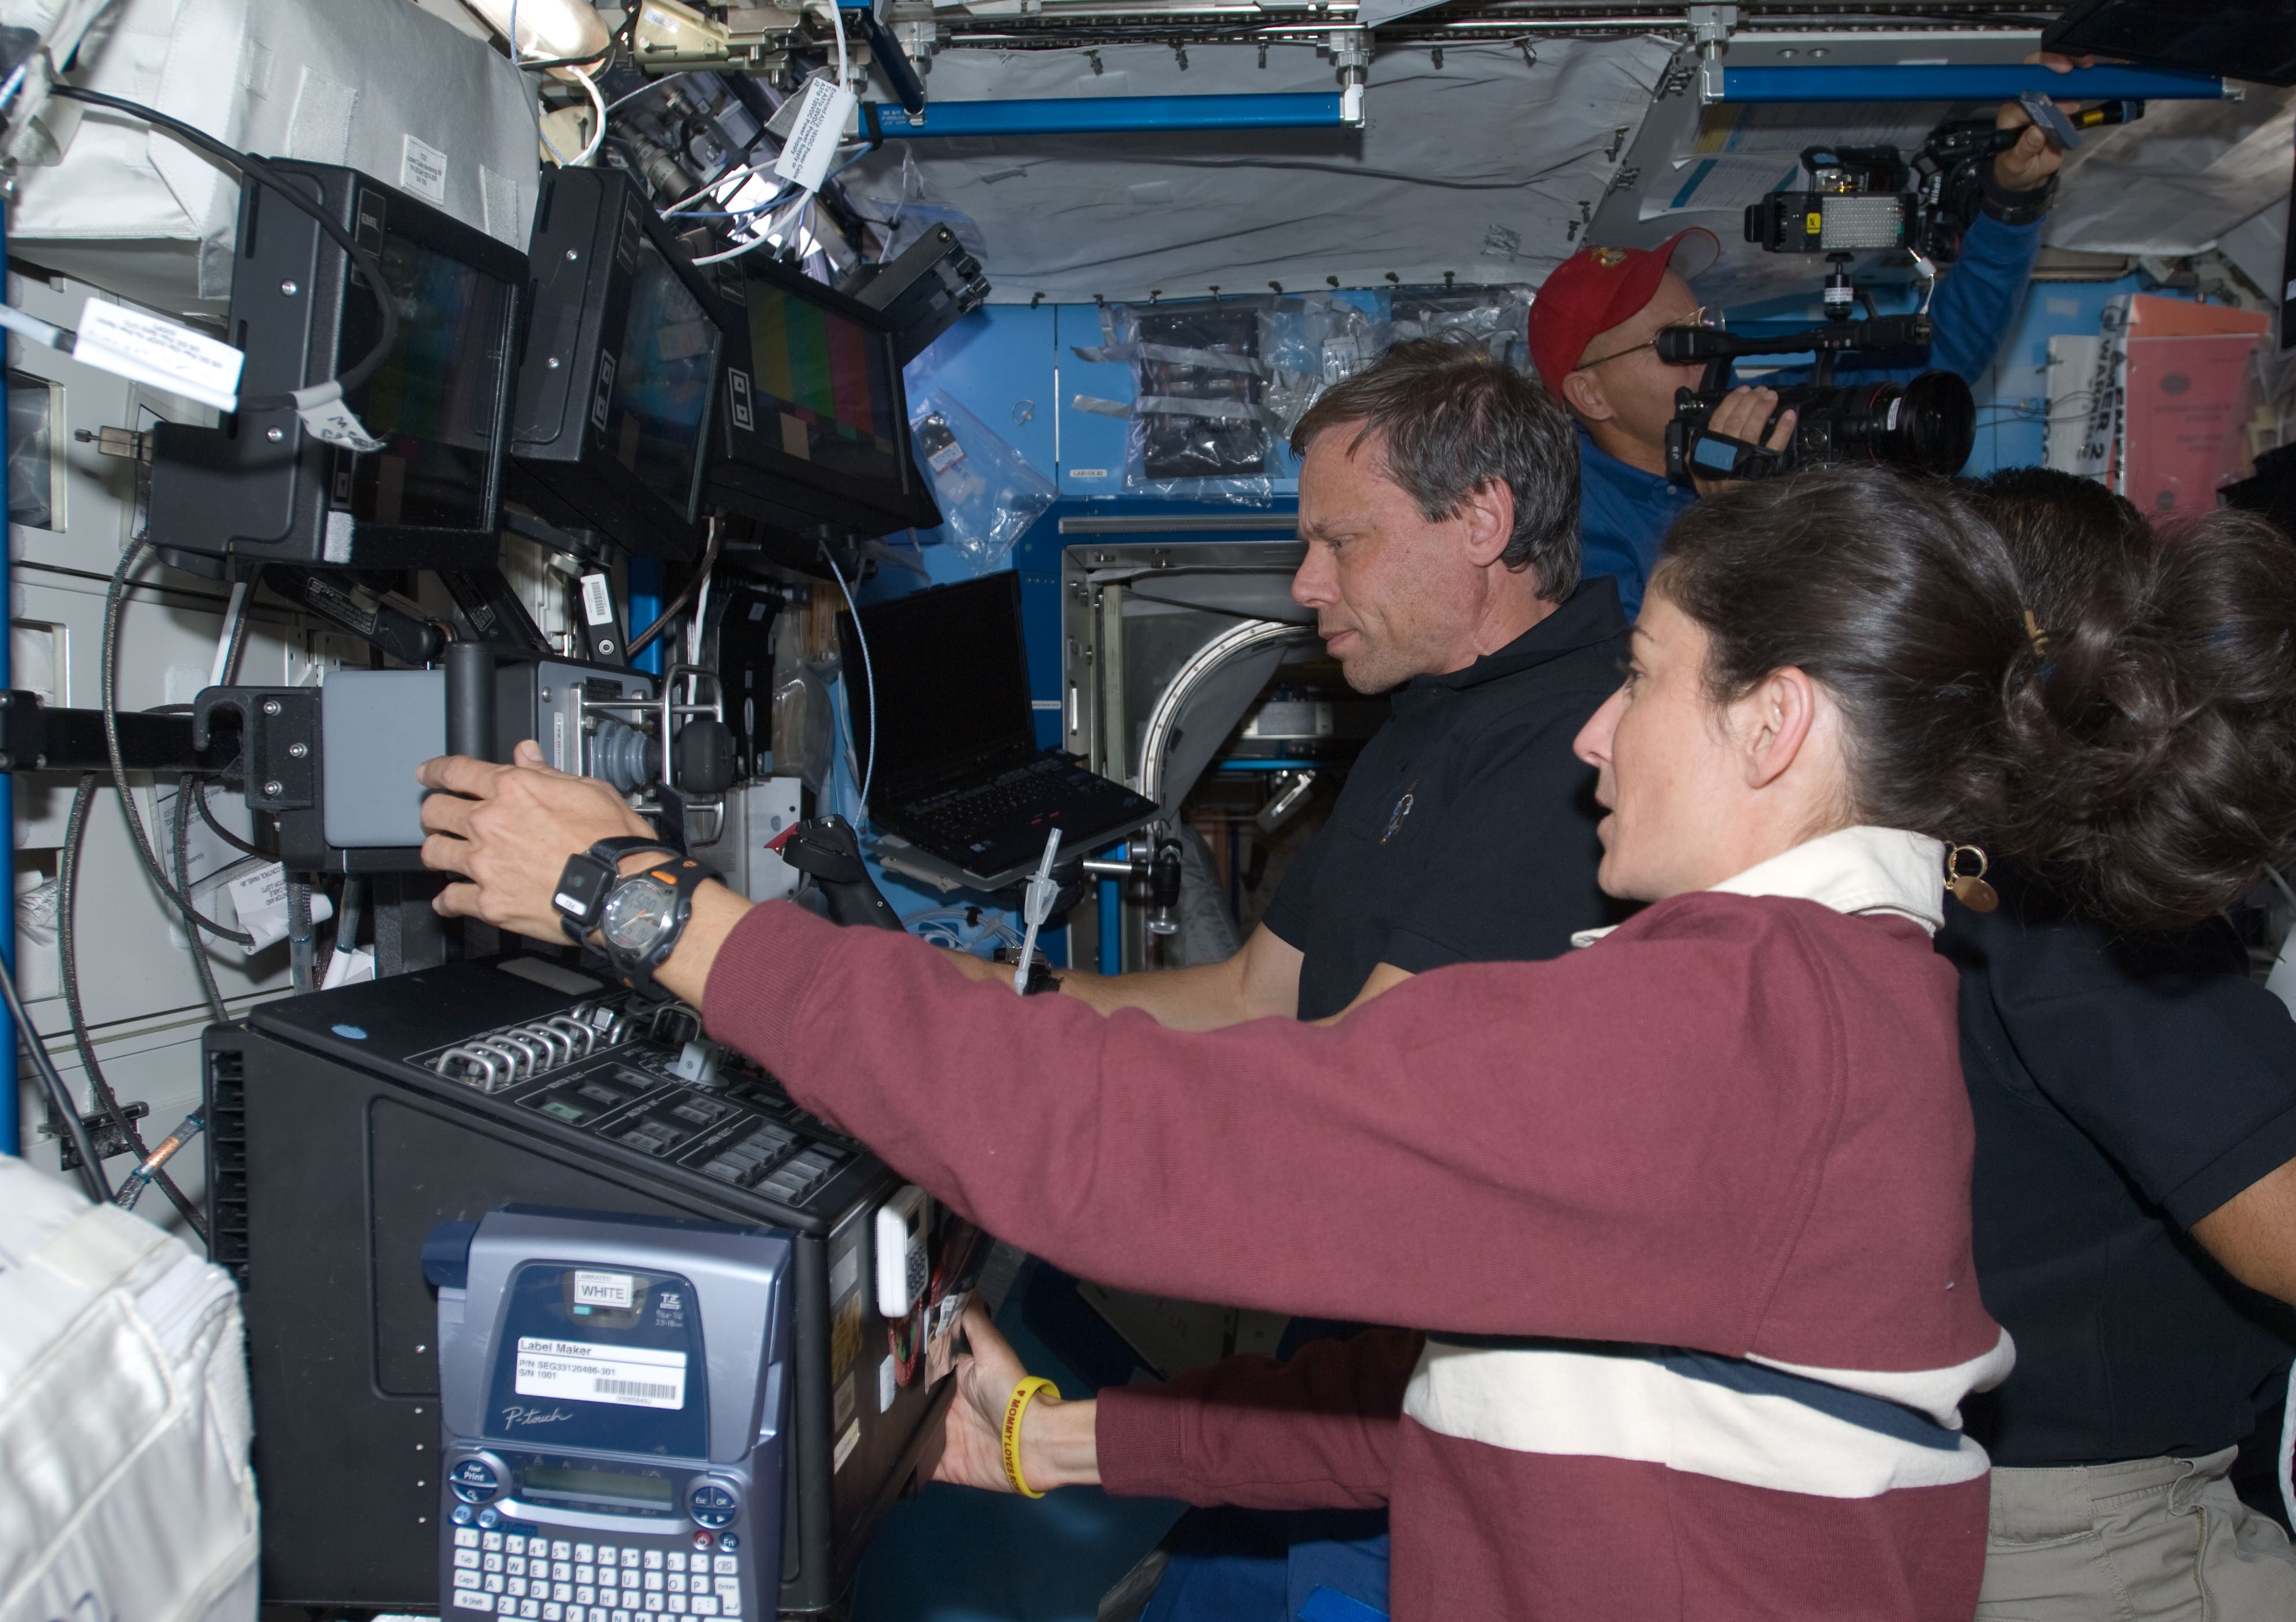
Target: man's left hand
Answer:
[[508, 830], [2033, 159]]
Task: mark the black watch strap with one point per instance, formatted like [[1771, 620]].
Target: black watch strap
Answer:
[[2014, 208], [684, 875], [587, 878]]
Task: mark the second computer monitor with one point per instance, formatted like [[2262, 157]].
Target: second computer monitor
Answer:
[[813, 439], [621, 366]]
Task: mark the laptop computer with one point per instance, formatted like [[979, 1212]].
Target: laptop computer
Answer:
[[959, 772]]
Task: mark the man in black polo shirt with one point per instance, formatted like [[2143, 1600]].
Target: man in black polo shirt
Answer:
[[1439, 495]]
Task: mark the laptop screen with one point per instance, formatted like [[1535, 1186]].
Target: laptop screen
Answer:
[[952, 681]]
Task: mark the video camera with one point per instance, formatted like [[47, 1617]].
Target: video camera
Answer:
[[1861, 200], [1929, 424]]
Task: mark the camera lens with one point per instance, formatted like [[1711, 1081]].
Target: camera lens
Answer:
[[1936, 426]]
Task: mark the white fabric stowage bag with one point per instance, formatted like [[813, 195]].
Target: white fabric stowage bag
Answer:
[[125, 1491]]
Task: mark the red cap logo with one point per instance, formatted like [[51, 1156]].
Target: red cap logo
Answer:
[[1597, 288]]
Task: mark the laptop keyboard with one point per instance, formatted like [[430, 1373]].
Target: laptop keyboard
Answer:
[[1016, 806]]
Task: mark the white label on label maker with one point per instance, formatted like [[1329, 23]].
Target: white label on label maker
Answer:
[[632, 1376], [613, 1290]]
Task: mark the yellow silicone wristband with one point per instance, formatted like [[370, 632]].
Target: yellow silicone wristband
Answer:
[[1014, 1410]]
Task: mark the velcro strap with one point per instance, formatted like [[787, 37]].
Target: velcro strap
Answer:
[[1714, 455]]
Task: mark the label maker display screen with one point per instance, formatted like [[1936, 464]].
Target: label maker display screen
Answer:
[[597, 1489]]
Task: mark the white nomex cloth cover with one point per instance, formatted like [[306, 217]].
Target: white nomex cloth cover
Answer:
[[1488, 167], [125, 1490], [385, 88]]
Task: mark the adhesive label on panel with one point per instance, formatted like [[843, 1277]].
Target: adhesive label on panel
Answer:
[[260, 900], [627, 1376], [846, 1444], [422, 170], [148, 348], [597, 599]]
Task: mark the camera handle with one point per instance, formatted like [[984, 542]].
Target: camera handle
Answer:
[[1694, 451]]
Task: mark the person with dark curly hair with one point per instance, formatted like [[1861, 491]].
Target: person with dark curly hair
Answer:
[[2133, 1087]]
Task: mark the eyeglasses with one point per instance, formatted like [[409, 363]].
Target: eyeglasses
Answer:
[[1704, 316]]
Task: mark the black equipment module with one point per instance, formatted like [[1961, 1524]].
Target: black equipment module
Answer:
[[613, 416], [264, 488], [344, 1126]]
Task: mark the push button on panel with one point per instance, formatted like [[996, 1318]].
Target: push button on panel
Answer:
[[475, 1480], [713, 1504]]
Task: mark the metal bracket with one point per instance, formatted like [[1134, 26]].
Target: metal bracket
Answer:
[[36, 738], [1711, 26], [279, 741], [103, 1131]]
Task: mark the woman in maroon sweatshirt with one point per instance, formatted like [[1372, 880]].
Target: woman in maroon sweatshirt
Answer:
[[1682, 1220]]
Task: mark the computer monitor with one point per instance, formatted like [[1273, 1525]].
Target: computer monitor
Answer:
[[813, 435], [260, 486], [612, 415], [930, 726]]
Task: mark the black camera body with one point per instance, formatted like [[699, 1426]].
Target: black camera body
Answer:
[[1927, 425]]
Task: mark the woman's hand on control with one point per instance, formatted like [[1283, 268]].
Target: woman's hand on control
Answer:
[[972, 1454], [1057, 1444], [508, 830]]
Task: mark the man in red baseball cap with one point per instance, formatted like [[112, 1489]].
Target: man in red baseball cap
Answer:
[[1592, 324]]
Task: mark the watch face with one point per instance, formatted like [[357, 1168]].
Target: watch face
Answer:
[[638, 915]]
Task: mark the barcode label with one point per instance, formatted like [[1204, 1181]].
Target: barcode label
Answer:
[[579, 1370], [597, 599], [639, 1388]]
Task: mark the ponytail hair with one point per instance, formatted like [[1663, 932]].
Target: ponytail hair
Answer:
[[2126, 721], [2153, 757]]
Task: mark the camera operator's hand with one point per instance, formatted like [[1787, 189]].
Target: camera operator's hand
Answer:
[[2033, 159], [1740, 416]]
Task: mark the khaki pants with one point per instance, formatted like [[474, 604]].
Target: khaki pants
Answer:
[[2151, 1540]]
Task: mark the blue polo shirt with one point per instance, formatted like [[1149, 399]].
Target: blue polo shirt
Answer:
[[1624, 513]]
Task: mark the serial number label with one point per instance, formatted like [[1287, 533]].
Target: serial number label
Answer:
[[633, 1376]]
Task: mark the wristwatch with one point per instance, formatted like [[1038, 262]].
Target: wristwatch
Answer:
[[2014, 208], [637, 920]]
